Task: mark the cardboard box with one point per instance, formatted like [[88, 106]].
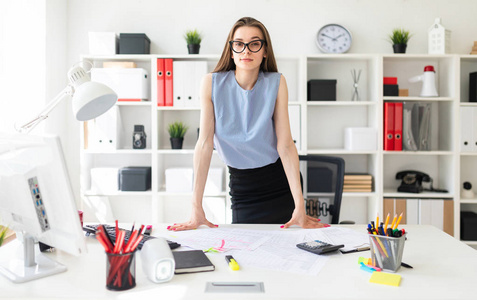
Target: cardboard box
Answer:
[[103, 43], [179, 180], [360, 138], [131, 84], [104, 180], [214, 184]]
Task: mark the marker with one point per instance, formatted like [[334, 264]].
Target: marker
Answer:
[[232, 263]]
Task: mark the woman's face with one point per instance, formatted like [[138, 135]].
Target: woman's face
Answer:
[[248, 60]]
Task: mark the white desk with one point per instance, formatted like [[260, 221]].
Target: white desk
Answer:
[[444, 268]]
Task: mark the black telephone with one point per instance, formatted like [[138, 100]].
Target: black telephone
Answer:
[[411, 182]]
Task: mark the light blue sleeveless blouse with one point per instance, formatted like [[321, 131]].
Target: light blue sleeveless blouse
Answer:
[[245, 136]]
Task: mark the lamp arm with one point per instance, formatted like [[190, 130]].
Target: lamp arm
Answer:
[[27, 127]]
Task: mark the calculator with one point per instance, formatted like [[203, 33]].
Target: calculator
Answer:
[[318, 247]]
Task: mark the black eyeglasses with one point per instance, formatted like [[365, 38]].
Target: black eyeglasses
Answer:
[[253, 46]]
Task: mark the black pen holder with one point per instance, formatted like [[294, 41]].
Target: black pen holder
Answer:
[[120, 271], [386, 251]]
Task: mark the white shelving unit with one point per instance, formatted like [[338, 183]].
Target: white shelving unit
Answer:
[[318, 128]]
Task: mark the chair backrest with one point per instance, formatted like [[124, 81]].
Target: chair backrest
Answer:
[[323, 187]]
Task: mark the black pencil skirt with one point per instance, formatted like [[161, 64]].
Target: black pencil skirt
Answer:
[[261, 195]]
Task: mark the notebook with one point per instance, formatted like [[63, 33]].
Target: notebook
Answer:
[[192, 261]]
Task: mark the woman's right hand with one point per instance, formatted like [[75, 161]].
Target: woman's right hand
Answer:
[[198, 218]]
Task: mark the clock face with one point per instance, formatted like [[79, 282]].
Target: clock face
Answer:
[[333, 38]]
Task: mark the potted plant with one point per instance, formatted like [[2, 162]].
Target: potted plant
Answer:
[[177, 131], [399, 39], [193, 39]]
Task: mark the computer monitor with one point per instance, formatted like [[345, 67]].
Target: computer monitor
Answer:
[[36, 201]]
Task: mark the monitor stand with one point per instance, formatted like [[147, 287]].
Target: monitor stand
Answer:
[[31, 266]]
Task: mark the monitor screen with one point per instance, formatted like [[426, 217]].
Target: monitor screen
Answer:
[[36, 201]]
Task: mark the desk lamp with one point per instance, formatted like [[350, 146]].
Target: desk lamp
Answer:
[[90, 99]]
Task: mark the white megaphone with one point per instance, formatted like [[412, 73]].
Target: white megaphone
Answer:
[[428, 82]]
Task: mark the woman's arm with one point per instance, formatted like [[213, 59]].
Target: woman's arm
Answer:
[[202, 156], [289, 156]]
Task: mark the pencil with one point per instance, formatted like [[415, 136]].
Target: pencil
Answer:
[[398, 221], [386, 223], [394, 221], [377, 220]]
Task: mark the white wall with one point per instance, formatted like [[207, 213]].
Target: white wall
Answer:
[[292, 25]]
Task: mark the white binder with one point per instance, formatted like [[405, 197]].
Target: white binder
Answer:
[[466, 129], [107, 130], [295, 126]]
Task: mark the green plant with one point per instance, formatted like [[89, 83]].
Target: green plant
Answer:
[[177, 129], [3, 233], [193, 37], [400, 36]]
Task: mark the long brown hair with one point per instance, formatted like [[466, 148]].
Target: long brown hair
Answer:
[[226, 63]]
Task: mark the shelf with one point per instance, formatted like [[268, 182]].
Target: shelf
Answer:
[[468, 201], [391, 193], [118, 193], [177, 108], [468, 104], [175, 151], [407, 152], [468, 153], [339, 151], [356, 194], [134, 103], [118, 151], [163, 193], [418, 99], [341, 103]]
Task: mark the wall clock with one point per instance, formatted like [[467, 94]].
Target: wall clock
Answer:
[[333, 38]]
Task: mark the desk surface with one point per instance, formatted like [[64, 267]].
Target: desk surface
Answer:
[[444, 268]]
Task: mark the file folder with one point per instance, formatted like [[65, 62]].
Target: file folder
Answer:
[[169, 82], [398, 126], [160, 82], [388, 126], [179, 83], [474, 129]]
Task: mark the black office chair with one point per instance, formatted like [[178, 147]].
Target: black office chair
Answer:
[[323, 186]]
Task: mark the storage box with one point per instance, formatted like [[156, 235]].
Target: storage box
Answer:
[[104, 180], [322, 90], [360, 138], [391, 90], [103, 43], [319, 180], [135, 178], [131, 84], [214, 181], [468, 226], [179, 180], [134, 43]]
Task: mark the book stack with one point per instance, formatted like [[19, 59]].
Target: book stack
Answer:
[[474, 48], [358, 183]]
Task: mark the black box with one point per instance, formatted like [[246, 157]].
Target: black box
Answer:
[[391, 90], [134, 178], [319, 180], [134, 43], [322, 90], [473, 87], [468, 226]]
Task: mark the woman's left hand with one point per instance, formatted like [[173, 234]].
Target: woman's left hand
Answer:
[[300, 218]]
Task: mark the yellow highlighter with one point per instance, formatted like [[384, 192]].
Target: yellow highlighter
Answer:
[[232, 263]]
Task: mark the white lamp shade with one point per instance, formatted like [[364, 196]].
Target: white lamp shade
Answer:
[[92, 99]]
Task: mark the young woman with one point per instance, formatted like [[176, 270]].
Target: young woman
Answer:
[[244, 112]]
